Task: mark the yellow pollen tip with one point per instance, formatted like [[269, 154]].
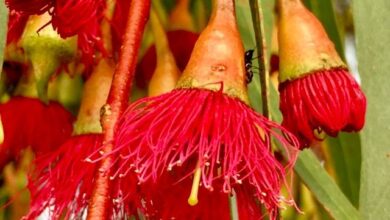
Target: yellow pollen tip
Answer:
[[319, 133], [193, 198]]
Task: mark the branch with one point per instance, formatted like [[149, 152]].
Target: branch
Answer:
[[256, 12], [117, 101]]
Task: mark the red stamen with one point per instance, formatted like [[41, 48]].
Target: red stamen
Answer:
[[156, 134], [29, 7], [81, 18], [329, 101], [59, 180], [16, 23]]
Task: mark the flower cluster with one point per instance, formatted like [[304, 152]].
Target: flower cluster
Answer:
[[193, 147]]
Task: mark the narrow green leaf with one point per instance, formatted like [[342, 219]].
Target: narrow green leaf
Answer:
[[3, 30], [276, 115], [345, 153], [245, 26], [201, 10], [323, 187], [372, 29], [160, 8]]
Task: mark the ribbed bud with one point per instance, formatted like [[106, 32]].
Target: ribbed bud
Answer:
[[217, 61], [304, 46]]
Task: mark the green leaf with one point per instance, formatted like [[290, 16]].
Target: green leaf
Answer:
[[245, 26], [323, 187], [200, 10], [276, 115], [345, 157], [3, 31], [372, 29]]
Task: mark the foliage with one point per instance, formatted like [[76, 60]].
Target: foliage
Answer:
[[345, 177]]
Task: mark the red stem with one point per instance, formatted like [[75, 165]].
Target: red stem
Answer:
[[118, 97]]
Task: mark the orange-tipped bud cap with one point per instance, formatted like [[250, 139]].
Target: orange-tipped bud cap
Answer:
[[180, 18], [95, 95], [217, 61], [304, 46], [167, 73]]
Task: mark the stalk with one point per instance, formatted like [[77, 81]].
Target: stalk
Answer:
[[257, 14], [116, 103]]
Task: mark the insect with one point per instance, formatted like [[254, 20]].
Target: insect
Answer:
[[248, 57]]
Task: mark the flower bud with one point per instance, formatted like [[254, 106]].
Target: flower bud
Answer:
[[95, 95], [317, 93], [217, 61], [180, 17], [304, 46], [166, 74], [45, 50]]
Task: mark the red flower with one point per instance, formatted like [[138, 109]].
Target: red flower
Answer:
[[329, 101], [29, 7], [228, 139], [29, 122], [69, 18], [63, 181], [59, 178], [167, 199], [16, 23], [274, 63], [81, 18], [317, 93]]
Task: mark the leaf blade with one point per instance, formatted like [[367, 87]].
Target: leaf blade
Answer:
[[3, 31], [345, 153], [323, 187], [372, 36]]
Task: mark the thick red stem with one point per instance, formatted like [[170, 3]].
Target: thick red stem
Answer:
[[118, 97]]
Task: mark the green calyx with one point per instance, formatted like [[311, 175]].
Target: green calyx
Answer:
[[302, 68], [80, 128], [45, 51]]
